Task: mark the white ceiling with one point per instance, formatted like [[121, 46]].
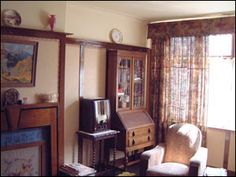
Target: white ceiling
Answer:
[[163, 10]]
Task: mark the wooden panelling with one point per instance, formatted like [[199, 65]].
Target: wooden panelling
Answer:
[[231, 157], [34, 118]]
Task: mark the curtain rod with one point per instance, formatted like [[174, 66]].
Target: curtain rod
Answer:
[[225, 14]]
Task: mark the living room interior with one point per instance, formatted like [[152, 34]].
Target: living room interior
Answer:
[[101, 88]]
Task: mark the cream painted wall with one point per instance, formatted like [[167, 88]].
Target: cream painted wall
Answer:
[[93, 24], [46, 69], [34, 14], [94, 72], [71, 102], [94, 86]]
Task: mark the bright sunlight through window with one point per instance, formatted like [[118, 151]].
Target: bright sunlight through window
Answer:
[[221, 112]]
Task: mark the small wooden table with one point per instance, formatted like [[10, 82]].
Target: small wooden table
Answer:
[[98, 137]]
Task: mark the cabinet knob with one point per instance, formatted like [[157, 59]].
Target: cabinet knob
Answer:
[[133, 142], [149, 138], [149, 130]]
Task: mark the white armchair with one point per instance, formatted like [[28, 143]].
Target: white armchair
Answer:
[[181, 155]]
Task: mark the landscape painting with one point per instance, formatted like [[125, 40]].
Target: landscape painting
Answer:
[[18, 63]]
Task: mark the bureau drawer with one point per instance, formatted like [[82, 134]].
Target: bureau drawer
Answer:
[[133, 141], [148, 130]]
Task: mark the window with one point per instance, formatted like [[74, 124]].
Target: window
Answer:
[[221, 105]]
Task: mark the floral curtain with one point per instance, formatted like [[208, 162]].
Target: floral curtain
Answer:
[[179, 71]]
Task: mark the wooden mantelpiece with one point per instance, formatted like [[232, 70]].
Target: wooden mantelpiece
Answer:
[[17, 117]]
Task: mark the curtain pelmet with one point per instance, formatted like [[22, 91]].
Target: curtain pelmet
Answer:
[[192, 27]]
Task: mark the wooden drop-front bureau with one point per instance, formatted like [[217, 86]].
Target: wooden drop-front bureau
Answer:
[[126, 89]]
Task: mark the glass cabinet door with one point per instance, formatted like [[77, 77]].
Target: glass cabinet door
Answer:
[[124, 83], [139, 84]]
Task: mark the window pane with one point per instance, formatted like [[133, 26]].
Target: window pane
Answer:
[[221, 113], [220, 45]]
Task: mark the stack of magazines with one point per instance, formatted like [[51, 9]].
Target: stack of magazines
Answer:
[[77, 169]]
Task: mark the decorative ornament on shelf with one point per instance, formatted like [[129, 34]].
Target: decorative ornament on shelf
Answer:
[[11, 17], [48, 97], [11, 96], [51, 21]]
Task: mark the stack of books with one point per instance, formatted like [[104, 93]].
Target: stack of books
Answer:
[[77, 169]]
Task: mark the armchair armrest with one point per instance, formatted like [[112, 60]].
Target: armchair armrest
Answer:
[[198, 162], [151, 157]]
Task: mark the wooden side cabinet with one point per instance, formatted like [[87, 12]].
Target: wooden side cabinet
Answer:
[[126, 89]]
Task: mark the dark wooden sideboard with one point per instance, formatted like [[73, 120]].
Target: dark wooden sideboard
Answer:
[[21, 117]]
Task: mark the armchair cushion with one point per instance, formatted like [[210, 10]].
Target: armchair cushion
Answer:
[[168, 169]]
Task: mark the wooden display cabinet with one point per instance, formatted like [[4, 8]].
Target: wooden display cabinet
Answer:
[[126, 89]]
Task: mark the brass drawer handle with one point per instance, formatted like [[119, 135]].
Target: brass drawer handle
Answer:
[[133, 134]]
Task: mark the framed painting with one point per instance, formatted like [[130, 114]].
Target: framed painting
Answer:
[[18, 62], [22, 160]]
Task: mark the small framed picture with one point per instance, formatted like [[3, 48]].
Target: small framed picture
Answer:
[[18, 62]]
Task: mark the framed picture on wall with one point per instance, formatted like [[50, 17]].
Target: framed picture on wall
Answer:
[[18, 62]]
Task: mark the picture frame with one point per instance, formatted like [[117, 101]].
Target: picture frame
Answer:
[[18, 62], [23, 160]]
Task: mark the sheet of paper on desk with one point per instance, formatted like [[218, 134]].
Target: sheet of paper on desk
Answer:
[[102, 133]]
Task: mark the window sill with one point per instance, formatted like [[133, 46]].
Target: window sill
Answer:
[[221, 129]]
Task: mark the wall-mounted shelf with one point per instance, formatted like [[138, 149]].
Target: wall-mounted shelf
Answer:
[[7, 30]]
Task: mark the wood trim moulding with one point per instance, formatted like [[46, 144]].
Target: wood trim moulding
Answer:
[[6, 30], [107, 45], [81, 72], [226, 149], [61, 96], [148, 72]]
